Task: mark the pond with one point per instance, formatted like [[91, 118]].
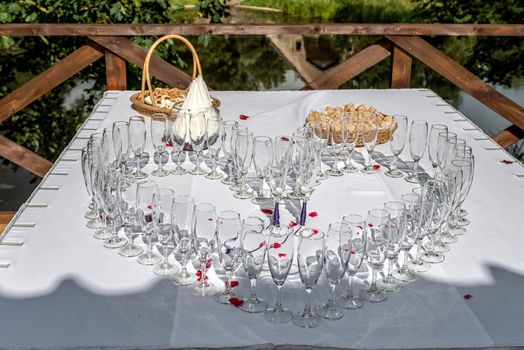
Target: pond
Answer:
[[229, 63]]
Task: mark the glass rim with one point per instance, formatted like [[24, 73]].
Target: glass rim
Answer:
[[188, 198], [137, 118], [361, 218], [378, 212], [260, 138], [146, 184], [394, 203], [202, 206], [224, 215]]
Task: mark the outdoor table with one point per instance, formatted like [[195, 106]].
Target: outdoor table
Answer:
[[63, 289]]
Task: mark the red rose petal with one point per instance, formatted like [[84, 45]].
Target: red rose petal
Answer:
[[505, 161], [292, 224], [468, 296], [315, 231], [282, 255], [150, 206], [267, 211], [376, 166], [262, 244], [237, 302], [210, 219], [148, 218], [276, 245], [244, 117], [169, 144], [284, 138], [370, 225], [209, 264], [313, 214], [352, 252], [233, 283]]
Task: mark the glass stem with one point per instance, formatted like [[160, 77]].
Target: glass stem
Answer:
[[184, 272], [253, 296], [243, 174], [203, 277], [113, 229], [261, 187], [198, 159], [149, 245], [164, 245], [276, 213], [351, 287], [415, 166], [137, 163], [390, 268], [405, 262], [214, 170], [332, 294], [435, 166], [278, 305], [394, 164], [228, 289], [307, 307], [419, 251], [373, 287]]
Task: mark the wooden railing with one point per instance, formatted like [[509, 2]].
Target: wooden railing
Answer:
[[400, 42]]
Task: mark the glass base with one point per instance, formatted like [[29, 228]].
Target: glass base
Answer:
[[183, 278], [139, 175], [448, 238], [149, 259], [432, 257], [261, 200], [306, 320], [115, 242], [419, 266], [90, 215], [131, 250], [228, 180], [165, 269], [334, 172], [197, 171], [458, 231], [204, 289], [322, 176], [95, 224], [441, 247], [214, 175], [414, 179], [179, 171], [369, 170], [373, 296], [350, 169], [244, 194], [394, 173], [463, 212], [462, 221], [350, 301], [223, 298], [103, 233], [330, 312], [280, 315], [254, 305], [389, 284], [404, 275], [160, 173], [295, 195]]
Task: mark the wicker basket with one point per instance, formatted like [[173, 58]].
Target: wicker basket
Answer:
[[158, 95], [386, 123]]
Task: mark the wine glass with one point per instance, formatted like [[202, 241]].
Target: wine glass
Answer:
[[244, 156], [357, 224], [137, 143], [298, 158], [447, 147], [461, 213], [338, 140], [436, 132], [277, 173], [369, 136], [127, 206], [120, 138], [436, 195], [418, 137], [377, 243], [159, 139], [108, 151], [214, 142], [178, 136], [144, 213], [163, 212], [235, 169], [310, 259], [397, 141], [204, 227], [262, 157], [353, 131], [412, 202], [253, 243], [95, 165], [280, 250], [310, 172], [91, 214], [397, 222], [229, 250], [321, 131], [197, 135], [229, 126], [336, 258], [184, 207]]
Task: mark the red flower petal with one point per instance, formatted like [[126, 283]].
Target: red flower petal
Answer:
[[267, 211], [244, 117], [370, 225], [237, 302], [468, 296], [376, 166], [313, 214], [282, 255], [352, 252], [284, 138], [292, 224], [315, 231], [276, 245], [148, 218], [150, 206], [169, 144], [262, 244], [210, 219], [233, 283], [505, 161], [209, 264]]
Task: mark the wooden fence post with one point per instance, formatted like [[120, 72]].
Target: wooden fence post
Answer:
[[115, 71], [400, 71]]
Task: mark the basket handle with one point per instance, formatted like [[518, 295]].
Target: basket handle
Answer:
[[145, 72]]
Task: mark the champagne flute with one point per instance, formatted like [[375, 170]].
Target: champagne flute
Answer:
[[91, 214], [236, 170], [299, 150], [397, 141], [277, 173], [253, 242], [418, 137], [184, 207], [127, 207], [106, 180], [353, 130], [229, 126], [137, 143], [436, 132], [244, 155], [280, 250], [159, 139], [204, 228], [369, 136], [144, 213], [197, 135], [163, 210], [214, 142], [377, 242], [321, 131], [357, 224], [310, 259], [178, 136], [229, 250], [338, 141], [336, 258], [412, 202], [262, 157]]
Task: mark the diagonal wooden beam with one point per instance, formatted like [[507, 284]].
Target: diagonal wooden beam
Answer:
[[460, 76], [23, 157], [136, 55], [350, 68], [49, 79], [509, 136]]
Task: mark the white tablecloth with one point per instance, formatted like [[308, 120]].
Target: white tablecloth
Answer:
[[65, 290]]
